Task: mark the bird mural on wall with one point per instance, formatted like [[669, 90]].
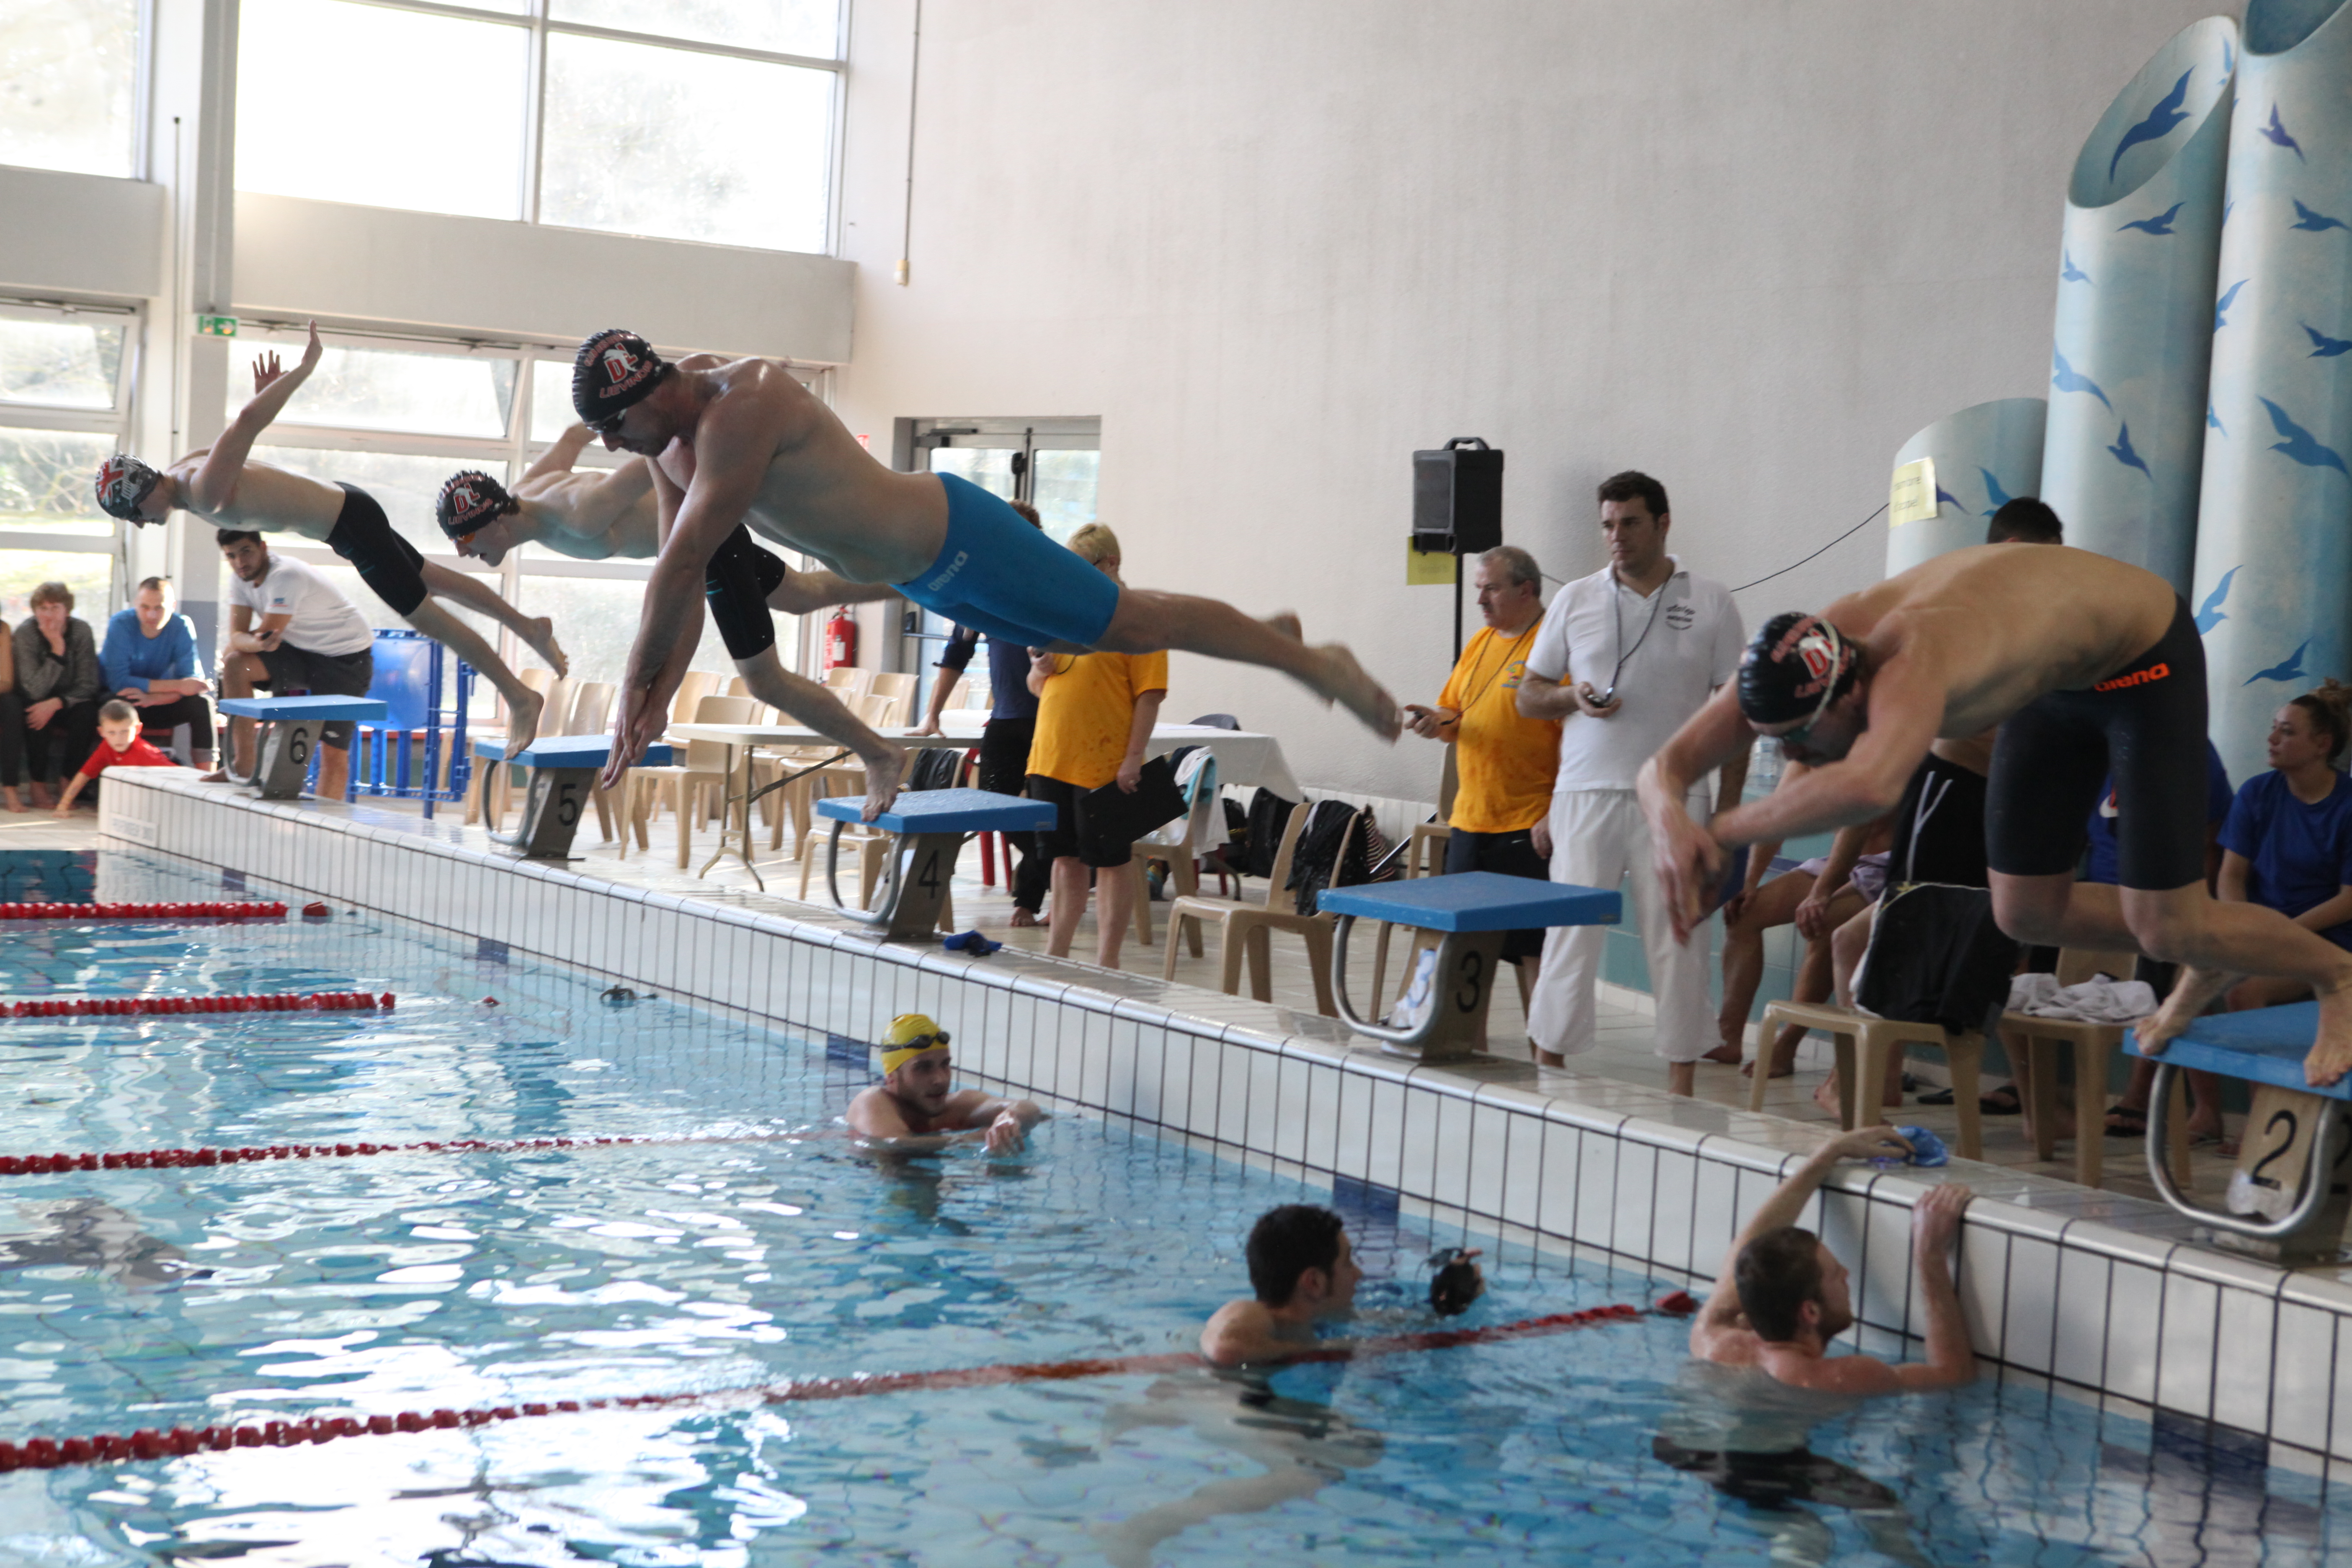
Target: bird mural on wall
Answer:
[[2325, 347], [2213, 421], [2159, 122], [2288, 668], [2305, 218], [2066, 378], [2123, 453], [2208, 614], [2222, 306], [2275, 133], [2070, 273], [2301, 445], [2160, 224], [1945, 497], [1993, 493]]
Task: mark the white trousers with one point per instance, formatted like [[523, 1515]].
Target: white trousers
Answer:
[[1600, 839]]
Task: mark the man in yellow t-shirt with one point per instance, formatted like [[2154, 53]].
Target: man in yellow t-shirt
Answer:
[[1504, 763], [1095, 715]]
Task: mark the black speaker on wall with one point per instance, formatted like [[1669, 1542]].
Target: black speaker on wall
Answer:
[[1457, 496]]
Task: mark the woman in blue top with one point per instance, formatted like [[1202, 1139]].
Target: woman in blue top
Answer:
[[2288, 842]]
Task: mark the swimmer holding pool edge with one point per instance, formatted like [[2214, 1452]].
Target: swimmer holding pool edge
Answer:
[[916, 1108]]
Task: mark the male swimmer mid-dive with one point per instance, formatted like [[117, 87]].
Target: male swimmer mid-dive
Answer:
[[742, 442], [223, 484], [2086, 663]]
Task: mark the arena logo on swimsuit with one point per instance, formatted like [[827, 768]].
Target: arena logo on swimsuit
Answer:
[[2154, 672], [948, 576]]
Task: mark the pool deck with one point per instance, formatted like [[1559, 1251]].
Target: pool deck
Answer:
[[2101, 1292]]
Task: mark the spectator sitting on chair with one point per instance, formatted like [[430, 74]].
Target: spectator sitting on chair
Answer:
[[58, 679], [150, 661], [1504, 761], [119, 745], [308, 638], [1004, 740], [12, 724], [1095, 714]]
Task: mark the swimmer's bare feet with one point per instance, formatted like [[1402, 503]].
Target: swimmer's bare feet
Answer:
[[1346, 682], [2331, 1054], [2191, 994], [540, 638], [884, 769], [1287, 622], [1724, 1055], [9, 792], [1024, 918], [218, 776], [522, 720]]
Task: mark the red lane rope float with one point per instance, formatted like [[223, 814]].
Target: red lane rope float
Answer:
[[161, 1007], [169, 1159], [211, 911], [104, 1447]]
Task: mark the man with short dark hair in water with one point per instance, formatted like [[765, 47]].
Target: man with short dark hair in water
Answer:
[[742, 442], [916, 1107], [2081, 660], [1302, 1270], [223, 484]]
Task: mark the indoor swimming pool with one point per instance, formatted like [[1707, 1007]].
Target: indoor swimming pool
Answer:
[[755, 1248]]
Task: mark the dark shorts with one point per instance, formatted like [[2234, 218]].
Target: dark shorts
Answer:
[[2145, 722], [737, 584], [1010, 580], [1070, 833], [1511, 855], [1940, 827], [387, 563], [292, 669]]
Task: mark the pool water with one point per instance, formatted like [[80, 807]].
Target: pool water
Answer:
[[136, 1299]]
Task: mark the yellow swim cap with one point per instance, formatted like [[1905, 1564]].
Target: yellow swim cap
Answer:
[[908, 1036]]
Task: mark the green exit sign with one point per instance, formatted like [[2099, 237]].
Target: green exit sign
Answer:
[[216, 326]]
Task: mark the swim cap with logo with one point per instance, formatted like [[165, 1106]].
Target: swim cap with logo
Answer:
[[471, 502], [910, 1036], [612, 371], [124, 483], [1796, 667]]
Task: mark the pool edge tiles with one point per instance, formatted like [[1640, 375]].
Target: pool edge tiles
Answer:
[[2096, 1290]]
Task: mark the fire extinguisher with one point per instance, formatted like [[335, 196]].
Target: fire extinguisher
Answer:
[[840, 639]]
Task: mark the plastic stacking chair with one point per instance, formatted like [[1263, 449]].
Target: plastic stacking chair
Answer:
[[592, 714], [480, 790], [1430, 838], [2035, 1045], [1245, 931], [705, 772], [1180, 843], [900, 690], [1863, 1045]]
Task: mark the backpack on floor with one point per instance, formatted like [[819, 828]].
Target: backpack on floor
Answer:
[[935, 767]]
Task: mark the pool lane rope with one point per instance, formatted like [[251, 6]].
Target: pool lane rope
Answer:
[[149, 1442], [207, 912], [174, 1007]]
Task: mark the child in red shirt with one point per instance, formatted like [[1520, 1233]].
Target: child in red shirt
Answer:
[[119, 745]]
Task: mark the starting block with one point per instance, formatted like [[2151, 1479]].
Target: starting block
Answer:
[[1473, 911], [2288, 1199], [931, 826], [563, 770], [290, 727]]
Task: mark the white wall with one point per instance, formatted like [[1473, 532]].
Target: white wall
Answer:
[[80, 234], [1748, 246]]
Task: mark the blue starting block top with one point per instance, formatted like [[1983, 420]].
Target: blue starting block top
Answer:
[[947, 811], [2266, 1044], [270, 710], [570, 751], [1474, 900]]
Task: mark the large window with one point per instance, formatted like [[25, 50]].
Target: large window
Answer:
[[703, 120], [68, 85], [64, 386]]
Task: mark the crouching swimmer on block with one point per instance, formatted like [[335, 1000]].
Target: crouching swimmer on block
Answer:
[[742, 442], [916, 1108], [223, 484], [2085, 663]]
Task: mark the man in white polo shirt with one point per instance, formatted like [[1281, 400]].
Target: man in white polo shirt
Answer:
[[1622, 658], [290, 630]]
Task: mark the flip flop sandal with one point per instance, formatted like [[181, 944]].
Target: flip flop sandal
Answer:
[[2002, 1101], [1937, 1096], [2125, 1123]]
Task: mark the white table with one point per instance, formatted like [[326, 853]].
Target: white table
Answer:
[[1243, 757]]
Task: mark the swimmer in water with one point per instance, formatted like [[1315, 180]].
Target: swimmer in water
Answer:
[[1303, 1270], [917, 1107], [1783, 1295]]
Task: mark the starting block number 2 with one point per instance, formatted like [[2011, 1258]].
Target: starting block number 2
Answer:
[[2277, 1151]]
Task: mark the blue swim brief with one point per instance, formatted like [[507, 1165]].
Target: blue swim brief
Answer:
[[999, 575]]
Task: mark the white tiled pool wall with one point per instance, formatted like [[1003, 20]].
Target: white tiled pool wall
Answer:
[[2080, 1289]]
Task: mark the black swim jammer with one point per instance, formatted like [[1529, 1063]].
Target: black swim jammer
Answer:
[[737, 584], [2147, 723], [390, 565], [1940, 827]]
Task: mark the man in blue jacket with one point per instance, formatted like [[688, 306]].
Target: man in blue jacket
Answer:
[[150, 661]]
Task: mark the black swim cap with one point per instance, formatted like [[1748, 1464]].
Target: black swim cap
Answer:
[[1797, 665], [612, 371], [471, 500]]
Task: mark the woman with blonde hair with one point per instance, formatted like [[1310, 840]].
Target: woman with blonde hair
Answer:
[[2287, 844], [1095, 714]]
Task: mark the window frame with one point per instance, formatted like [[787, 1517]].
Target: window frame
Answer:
[[115, 421]]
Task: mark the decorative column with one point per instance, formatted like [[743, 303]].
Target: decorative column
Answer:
[[1981, 456]]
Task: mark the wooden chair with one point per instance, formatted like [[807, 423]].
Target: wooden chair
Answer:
[[705, 773], [1862, 1051], [1245, 931], [2035, 1045]]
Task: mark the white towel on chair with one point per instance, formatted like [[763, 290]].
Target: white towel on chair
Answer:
[[2097, 1001]]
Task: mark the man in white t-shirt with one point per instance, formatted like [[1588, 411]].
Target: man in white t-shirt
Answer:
[[1622, 658], [290, 630]]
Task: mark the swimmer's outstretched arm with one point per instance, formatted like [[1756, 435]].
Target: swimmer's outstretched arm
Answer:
[[560, 458], [215, 485]]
